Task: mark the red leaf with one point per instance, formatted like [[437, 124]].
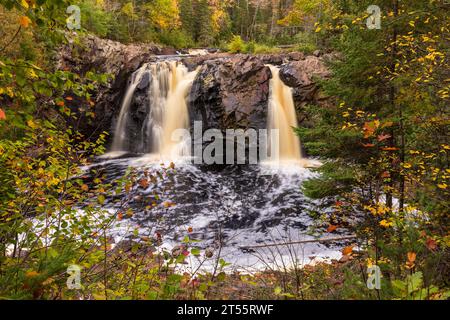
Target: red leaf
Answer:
[[385, 174], [383, 137], [431, 244], [368, 145], [2, 114]]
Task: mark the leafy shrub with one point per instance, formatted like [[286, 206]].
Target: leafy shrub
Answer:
[[306, 42], [176, 38], [236, 45], [250, 47], [263, 48], [94, 18]]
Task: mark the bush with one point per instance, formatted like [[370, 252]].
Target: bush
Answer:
[[236, 45], [263, 48], [306, 42], [94, 18], [178, 39], [250, 47]]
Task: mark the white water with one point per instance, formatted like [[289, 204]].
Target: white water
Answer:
[[166, 111], [281, 116], [120, 131]]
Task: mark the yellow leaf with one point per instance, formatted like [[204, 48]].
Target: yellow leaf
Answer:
[[24, 4], [31, 124], [442, 185], [31, 274], [385, 223], [24, 21]]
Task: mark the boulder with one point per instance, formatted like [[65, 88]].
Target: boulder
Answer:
[[231, 93]]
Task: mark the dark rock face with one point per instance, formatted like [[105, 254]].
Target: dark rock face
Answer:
[[109, 57], [301, 75], [229, 92]]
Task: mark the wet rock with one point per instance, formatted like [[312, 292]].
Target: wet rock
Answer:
[[145, 81], [231, 93], [317, 53], [301, 73], [296, 56]]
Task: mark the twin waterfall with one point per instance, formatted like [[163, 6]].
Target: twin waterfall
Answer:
[[167, 111]]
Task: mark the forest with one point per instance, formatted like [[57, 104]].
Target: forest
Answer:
[[99, 202]]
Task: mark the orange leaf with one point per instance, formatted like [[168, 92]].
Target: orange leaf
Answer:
[[31, 274], [2, 114], [60, 103], [69, 98], [84, 187], [368, 145], [144, 183], [120, 216], [24, 21], [347, 250], [190, 229], [331, 228], [369, 128], [411, 257]]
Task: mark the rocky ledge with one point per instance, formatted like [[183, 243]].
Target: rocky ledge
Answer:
[[230, 91]]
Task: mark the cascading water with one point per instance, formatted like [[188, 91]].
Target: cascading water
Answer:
[[119, 142], [282, 116], [167, 110], [176, 114]]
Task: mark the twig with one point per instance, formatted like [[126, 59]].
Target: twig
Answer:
[[12, 39], [298, 242]]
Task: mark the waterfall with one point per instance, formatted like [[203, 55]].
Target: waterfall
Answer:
[[167, 110], [282, 116], [120, 132], [176, 114]]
